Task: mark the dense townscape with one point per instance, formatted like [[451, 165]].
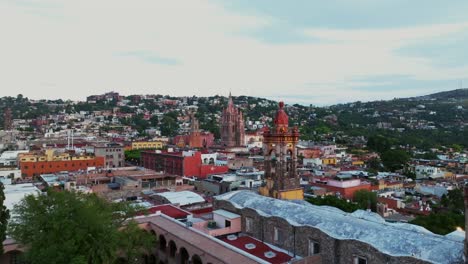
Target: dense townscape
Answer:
[[233, 179]]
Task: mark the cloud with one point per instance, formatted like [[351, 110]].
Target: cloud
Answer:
[[204, 48]]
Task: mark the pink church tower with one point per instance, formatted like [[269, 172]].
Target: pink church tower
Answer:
[[232, 126]]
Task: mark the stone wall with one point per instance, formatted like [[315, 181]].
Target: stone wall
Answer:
[[295, 239]]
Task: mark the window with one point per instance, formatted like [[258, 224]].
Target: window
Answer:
[[248, 224], [227, 223], [314, 248], [359, 260], [277, 234]]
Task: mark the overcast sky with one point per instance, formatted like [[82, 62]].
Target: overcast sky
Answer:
[[311, 51]]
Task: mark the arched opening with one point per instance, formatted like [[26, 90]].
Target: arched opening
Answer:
[[212, 161], [152, 259], [184, 256], [205, 160], [118, 261], [162, 243], [196, 259], [145, 259], [172, 249], [156, 241], [15, 256]]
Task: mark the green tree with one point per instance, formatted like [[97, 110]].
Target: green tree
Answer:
[[379, 143], [453, 200], [4, 215], [374, 165], [71, 227], [395, 159], [440, 223], [331, 200], [366, 199], [169, 124], [457, 148]]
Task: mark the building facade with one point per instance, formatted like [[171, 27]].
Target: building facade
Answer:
[[113, 154], [187, 163], [280, 155], [33, 165], [232, 126], [338, 237], [148, 145]]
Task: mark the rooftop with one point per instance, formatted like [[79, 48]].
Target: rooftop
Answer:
[[168, 210], [258, 249], [226, 214], [14, 193], [182, 198], [396, 239]]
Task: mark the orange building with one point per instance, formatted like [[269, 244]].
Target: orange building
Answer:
[[32, 165]]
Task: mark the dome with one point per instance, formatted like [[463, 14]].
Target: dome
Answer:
[[281, 118]]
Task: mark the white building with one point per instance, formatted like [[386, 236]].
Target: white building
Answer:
[[428, 172], [10, 158]]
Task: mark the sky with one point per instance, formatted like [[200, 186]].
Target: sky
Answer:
[[301, 51]]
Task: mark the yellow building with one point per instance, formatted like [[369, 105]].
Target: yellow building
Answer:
[[329, 161], [148, 145]]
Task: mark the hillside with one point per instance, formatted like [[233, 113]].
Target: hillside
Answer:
[[458, 94], [436, 119]]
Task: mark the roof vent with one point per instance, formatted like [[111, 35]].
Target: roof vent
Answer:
[[250, 246], [231, 237], [270, 254]]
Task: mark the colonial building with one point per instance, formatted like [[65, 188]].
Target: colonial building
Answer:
[[196, 138], [232, 126], [361, 237], [186, 163], [35, 164], [279, 150]]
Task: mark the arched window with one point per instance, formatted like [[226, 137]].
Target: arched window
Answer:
[[172, 249], [162, 243], [152, 259], [196, 259], [184, 256]]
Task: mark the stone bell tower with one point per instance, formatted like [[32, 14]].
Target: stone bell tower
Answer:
[[194, 136], [279, 151]]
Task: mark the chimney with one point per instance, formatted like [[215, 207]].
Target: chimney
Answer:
[[466, 222]]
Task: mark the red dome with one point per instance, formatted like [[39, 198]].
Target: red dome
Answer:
[[281, 116]]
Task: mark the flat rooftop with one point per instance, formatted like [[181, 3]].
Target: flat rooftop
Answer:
[[14, 193], [258, 249]]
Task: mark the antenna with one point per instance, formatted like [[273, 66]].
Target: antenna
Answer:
[[68, 139]]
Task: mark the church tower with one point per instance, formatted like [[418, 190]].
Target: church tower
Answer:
[[279, 151], [232, 126], [194, 137], [7, 119]]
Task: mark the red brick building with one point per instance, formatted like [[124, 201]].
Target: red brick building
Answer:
[[188, 163]]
